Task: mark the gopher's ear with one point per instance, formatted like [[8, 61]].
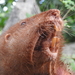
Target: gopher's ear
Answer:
[[7, 36]]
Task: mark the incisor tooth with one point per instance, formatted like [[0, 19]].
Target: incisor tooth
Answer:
[[54, 41], [54, 44]]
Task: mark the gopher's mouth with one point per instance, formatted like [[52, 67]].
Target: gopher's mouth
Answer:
[[48, 41]]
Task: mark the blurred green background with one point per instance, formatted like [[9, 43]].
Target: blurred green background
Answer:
[[67, 8]]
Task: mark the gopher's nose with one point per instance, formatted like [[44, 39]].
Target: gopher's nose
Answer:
[[55, 12], [53, 15]]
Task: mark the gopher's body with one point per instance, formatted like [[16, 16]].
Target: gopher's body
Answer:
[[32, 46]]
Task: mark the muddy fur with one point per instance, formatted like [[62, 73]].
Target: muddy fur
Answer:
[[33, 46]]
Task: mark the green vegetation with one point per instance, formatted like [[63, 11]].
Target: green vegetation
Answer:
[[5, 9]]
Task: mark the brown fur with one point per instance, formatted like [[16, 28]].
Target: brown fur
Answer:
[[33, 46]]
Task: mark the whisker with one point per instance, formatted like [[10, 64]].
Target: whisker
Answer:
[[69, 33]]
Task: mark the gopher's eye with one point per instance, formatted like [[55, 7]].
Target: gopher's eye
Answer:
[[23, 23]]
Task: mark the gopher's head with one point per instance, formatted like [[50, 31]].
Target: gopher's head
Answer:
[[34, 40]]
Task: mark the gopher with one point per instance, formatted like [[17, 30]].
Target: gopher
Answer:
[[33, 46]]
